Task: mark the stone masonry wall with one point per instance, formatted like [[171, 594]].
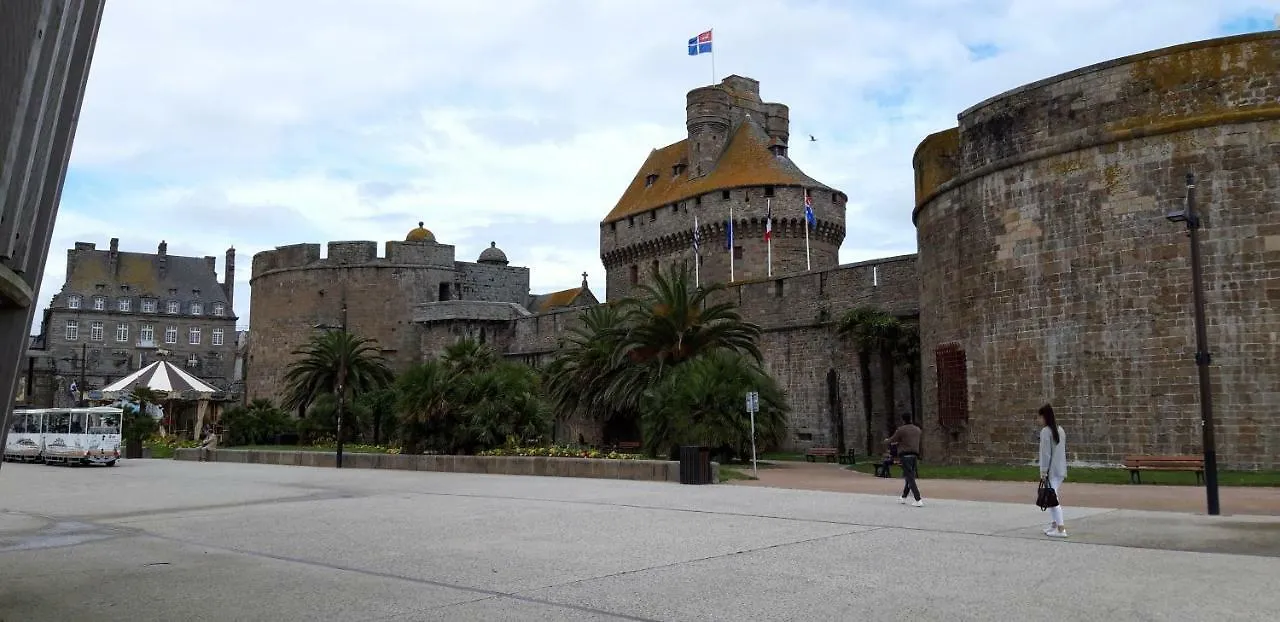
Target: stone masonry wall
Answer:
[[1048, 258], [665, 235], [797, 314]]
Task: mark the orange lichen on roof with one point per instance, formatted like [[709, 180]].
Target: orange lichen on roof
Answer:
[[746, 161], [558, 299]]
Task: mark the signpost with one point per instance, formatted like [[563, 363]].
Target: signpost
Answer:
[[753, 407]]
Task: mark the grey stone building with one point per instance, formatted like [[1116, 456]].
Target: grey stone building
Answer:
[[119, 311], [415, 283]]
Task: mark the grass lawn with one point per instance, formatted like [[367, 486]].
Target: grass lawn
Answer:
[[1002, 473]]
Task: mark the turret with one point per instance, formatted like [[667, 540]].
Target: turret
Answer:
[[707, 117]]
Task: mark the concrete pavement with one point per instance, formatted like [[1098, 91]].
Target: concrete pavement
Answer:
[[164, 540]]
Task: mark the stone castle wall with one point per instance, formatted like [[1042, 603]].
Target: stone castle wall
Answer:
[[665, 235], [797, 314], [294, 289], [1046, 256]]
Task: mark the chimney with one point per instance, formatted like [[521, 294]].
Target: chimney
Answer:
[[114, 257], [229, 278], [163, 253]]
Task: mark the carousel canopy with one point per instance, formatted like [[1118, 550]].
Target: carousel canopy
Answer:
[[161, 376]]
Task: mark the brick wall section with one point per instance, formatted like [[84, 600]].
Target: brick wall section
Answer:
[[1048, 258], [797, 314]]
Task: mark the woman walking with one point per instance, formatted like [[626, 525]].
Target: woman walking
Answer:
[[1053, 464]]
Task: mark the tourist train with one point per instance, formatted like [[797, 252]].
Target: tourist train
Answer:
[[71, 436]]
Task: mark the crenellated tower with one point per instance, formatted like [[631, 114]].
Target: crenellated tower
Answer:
[[735, 161]]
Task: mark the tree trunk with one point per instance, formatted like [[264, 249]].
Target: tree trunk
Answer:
[[864, 365], [886, 367]]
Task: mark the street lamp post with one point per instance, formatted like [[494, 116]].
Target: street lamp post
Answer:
[[1203, 357], [341, 384]]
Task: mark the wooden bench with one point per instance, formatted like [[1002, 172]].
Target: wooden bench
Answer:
[[1138, 464], [828, 453]]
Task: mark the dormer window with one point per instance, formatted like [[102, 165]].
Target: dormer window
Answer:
[[650, 179], [73, 301], [99, 303], [218, 309]]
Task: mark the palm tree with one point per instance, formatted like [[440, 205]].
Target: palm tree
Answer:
[[873, 331], [906, 352], [336, 363]]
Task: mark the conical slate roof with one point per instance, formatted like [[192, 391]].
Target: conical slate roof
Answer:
[[160, 376]]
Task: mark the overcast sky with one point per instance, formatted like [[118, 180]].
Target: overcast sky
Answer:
[[259, 123]]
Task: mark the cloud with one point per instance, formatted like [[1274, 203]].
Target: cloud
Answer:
[[521, 121]]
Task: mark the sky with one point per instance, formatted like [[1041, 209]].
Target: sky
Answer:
[[260, 123]]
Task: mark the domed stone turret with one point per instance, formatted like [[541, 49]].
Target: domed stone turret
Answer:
[[493, 254], [420, 234]]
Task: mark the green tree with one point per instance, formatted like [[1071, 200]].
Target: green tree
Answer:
[[873, 332], [336, 363], [470, 400], [702, 403], [607, 364]]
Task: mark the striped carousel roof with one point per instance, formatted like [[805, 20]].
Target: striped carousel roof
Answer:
[[159, 376]]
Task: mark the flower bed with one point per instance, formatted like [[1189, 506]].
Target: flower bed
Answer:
[[561, 452]]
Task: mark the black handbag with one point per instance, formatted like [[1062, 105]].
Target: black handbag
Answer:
[[1046, 496]]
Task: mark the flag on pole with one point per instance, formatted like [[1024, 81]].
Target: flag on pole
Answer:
[[808, 210], [700, 44], [768, 223], [697, 235]]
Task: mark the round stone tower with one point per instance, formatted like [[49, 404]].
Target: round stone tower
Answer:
[[1049, 272]]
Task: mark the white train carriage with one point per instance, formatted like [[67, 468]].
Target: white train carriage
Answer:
[[66, 435]]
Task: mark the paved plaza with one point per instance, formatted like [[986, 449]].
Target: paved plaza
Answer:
[[165, 540]]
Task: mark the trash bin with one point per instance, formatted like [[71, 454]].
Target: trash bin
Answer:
[[695, 465]]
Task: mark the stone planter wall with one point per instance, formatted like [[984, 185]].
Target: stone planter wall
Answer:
[[646, 470]]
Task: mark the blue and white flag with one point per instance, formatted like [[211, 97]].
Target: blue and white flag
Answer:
[[700, 44]]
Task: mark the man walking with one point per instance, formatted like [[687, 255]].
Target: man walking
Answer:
[[907, 436]]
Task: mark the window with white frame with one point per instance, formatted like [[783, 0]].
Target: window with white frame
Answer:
[[99, 303], [171, 334], [217, 337], [147, 333], [174, 307], [197, 308], [95, 331], [148, 305], [218, 309], [122, 332], [73, 301], [73, 330], [124, 304], [193, 335]]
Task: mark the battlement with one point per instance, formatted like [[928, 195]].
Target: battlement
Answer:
[[353, 253]]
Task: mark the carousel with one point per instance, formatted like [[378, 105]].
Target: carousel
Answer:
[[183, 402]]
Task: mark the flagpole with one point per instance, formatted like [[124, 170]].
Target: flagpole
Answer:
[[730, 233], [713, 56], [769, 241], [697, 278], [808, 265]]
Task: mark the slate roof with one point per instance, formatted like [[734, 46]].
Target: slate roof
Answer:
[[141, 272], [746, 161]]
